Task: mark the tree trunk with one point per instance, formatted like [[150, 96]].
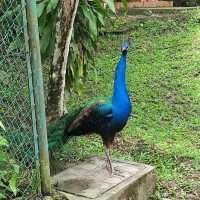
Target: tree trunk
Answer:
[[64, 26]]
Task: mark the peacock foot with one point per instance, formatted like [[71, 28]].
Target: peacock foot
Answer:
[[106, 166], [117, 172]]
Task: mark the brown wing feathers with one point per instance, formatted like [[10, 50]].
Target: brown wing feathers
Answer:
[[84, 114]]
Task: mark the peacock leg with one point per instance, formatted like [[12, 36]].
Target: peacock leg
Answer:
[[107, 153]]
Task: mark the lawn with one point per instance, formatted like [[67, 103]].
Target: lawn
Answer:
[[163, 80]]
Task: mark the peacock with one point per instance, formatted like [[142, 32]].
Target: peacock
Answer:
[[103, 116]]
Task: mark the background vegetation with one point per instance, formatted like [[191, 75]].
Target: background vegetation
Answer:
[[89, 19], [9, 170], [186, 2]]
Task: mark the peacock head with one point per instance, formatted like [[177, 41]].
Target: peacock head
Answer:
[[126, 44]]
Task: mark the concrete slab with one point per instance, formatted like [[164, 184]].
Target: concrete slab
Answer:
[[91, 180]]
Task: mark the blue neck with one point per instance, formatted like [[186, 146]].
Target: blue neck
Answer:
[[120, 93]]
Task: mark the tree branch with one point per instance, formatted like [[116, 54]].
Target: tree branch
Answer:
[[64, 28]]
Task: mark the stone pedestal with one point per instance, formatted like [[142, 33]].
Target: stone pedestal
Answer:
[[91, 180]]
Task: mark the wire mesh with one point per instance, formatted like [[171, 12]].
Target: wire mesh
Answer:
[[15, 104]]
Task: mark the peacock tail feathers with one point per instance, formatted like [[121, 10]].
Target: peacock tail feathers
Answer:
[[57, 128]]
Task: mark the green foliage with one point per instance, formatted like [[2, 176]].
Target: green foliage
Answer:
[[52, 4], [11, 18], [186, 2], [89, 19], [2, 126], [47, 9], [8, 170], [111, 5]]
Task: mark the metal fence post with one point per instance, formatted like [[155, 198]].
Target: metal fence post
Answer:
[[38, 91], [30, 83]]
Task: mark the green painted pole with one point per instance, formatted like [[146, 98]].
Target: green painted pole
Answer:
[[30, 83], [35, 59]]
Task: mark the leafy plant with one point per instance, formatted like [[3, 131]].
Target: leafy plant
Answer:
[[89, 19], [9, 170], [8, 19], [2, 126], [186, 2]]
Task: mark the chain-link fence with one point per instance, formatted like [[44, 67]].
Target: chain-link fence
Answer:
[[15, 101]]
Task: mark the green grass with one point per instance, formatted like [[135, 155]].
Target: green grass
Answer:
[[163, 79]]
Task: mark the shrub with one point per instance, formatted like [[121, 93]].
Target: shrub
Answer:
[[9, 170], [186, 2]]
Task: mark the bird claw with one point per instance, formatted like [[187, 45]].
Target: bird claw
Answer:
[[110, 170], [117, 173], [107, 167]]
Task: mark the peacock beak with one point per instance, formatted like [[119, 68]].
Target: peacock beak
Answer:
[[125, 46]]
